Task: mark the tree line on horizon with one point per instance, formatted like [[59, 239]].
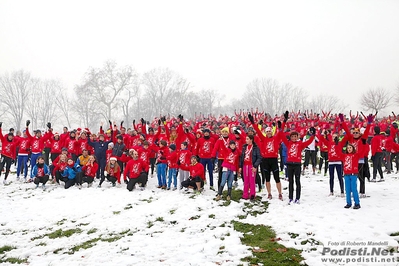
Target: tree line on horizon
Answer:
[[121, 93]]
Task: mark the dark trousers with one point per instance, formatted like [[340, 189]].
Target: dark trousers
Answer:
[[152, 163], [270, 165], [338, 168], [46, 155], [323, 158], [7, 162], [69, 183], [377, 164], [142, 179], [111, 179], [208, 162], [192, 182], [294, 171], [41, 179]]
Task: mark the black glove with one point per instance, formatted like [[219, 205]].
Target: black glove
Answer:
[[1, 123], [279, 124], [395, 125], [163, 119], [142, 121], [274, 124], [49, 125], [110, 123], [122, 123], [27, 123], [364, 141], [260, 122], [336, 140], [134, 121], [186, 130], [251, 118], [312, 131], [286, 116], [159, 121], [236, 132]]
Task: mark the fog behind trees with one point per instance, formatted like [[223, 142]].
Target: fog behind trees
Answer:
[[119, 92]]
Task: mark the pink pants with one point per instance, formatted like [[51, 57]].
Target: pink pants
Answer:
[[249, 182]]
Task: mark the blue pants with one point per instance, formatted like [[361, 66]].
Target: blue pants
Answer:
[[227, 176], [22, 161], [351, 187], [102, 162], [209, 163], [172, 174], [33, 159], [161, 174]]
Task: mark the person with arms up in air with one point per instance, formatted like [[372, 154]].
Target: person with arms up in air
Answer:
[[40, 173], [8, 152], [270, 146], [294, 149], [37, 142]]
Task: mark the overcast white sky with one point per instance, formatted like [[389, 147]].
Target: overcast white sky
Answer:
[[333, 47]]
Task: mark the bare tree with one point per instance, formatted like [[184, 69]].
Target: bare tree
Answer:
[[130, 98], [375, 99], [163, 90], [324, 102], [64, 104], [86, 108], [106, 85], [14, 90]]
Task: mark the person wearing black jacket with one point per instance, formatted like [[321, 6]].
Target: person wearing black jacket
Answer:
[[250, 159]]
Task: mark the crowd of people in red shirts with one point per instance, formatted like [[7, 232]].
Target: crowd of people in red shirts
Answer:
[[250, 144]]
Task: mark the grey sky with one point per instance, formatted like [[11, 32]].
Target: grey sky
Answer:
[[332, 47]]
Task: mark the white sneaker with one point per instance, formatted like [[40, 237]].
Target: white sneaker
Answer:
[[342, 195], [5, 182], [331, 194]]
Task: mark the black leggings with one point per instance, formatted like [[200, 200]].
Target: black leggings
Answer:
[[294, 171], [41, 179], [7, 161], [323, 157], [143, 178], [377, 164]]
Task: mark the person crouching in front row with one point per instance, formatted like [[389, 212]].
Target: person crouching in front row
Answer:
[[197, 176], [136, 171], [112, 172], [40, 173]]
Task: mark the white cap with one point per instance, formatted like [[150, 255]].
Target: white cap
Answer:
[[113, 159]]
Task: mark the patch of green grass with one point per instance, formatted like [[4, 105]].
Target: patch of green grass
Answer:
[[92, 231], [172, 211], [60, 233], [268, 251], [312, 241], [56, 251], [6, 248], [83, 224], [195, 217], [150, 224], [395, 234], [147, 200], [42, 244], [61, 222], [293, 235], [116, 212], [14, 260], [183, 229], [85, 245], [111, 239], [159, 219], [129, 206], [212, 216]]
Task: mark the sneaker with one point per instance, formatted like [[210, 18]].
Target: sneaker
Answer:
[[318, 172], [252, 198], [43, 187], [269, 196], [186, 189], [4, 182], [235, 184], [168, 188], [17, 178], [296, 201], [99, 186], [159, 186], [263, 186], [290, 202], [331, 194], [280, 196], [357, 206], [89, 184], [342, 194], [37, 186], [228, 198], [174, 188], [218, 197], [113, 184], [163, 187], [373, 180], [286, 179], [381, 180], [79, 186], [347, 206], [211, 188], [198, 192], [142, 188]]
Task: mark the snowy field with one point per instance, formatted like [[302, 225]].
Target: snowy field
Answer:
[[156, 227]]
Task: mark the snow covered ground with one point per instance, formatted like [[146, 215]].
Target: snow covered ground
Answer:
[[156, 227]]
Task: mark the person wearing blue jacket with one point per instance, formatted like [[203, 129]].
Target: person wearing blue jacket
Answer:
[[40, 173], [71, 173], [100, 148]]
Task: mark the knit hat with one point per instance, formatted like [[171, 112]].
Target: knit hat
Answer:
[[225, 130], [113, 159], [111, 144], [172, 147]]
